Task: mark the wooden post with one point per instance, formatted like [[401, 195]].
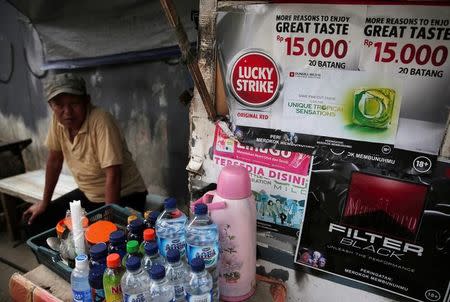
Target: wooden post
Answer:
[[191, 61]]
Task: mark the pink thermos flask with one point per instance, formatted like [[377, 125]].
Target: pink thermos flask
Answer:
[[233, 209]]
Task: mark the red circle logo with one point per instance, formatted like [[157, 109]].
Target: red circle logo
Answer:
[[255, 79]]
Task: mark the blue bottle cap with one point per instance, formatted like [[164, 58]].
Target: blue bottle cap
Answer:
[[197, 264], [117, 237], [100, 250], [151, 248], [173, 255], [133, 263], [170, 203], [137, 226], [157, 272], [154, 216], [200, 209]]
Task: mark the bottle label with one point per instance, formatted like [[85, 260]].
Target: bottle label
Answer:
[[179, 291], [113, 293], [82, 296], [199, 298], [98, 295], [209, 253], [166, 244], [134, 298]]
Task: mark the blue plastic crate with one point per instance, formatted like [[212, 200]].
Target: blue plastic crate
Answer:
[[45, 255]]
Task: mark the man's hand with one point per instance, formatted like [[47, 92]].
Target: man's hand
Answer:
[[34, 211]]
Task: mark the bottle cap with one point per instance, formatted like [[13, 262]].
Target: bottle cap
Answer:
[[132, 246], [197, 264], [136, 226], [151, 248], [133, 263], [154, 216], [113, 260], [131, 218], [173, 255], [157, 272], [200, 209], [100, 250], [149, 234], [117, 237], [81, 261], [170, 203]]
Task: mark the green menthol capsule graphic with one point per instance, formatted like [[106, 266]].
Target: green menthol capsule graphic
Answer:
[[373, 107]]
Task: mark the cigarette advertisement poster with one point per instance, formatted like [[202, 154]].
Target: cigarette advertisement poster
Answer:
[[280, 180], [286, 66], [364, 90]]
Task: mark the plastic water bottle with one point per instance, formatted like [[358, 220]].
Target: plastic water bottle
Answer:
[[98, 254], [176, 273], [199, 283], [149, 236], [171, 228], [150, 218], [136, 228], [117, 243], [152, 257], [160, 288], [79, 280], [202, 240], [111, 278], [96, 284], [132, 250], [135, 282]]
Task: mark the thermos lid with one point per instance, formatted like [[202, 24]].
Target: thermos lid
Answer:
[[234, 183]]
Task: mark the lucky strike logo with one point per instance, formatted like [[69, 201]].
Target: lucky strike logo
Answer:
[[255, 79]]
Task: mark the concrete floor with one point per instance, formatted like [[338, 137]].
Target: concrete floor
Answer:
[[20, 255]]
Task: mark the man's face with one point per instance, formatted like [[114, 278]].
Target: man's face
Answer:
[[70, 110]]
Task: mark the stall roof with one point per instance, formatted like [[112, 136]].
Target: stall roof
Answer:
[[83, 29]]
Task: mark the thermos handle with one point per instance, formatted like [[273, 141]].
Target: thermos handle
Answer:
[[206, 199]]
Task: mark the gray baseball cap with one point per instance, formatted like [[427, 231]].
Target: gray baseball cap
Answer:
[[63, 83]]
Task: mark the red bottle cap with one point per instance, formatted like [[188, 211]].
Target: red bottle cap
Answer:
[[149, 234], [113, 260]]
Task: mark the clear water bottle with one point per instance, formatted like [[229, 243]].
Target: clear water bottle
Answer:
[[79, 281], [160, 288], [199, 283], [150, 219], [98, 254], [135, 282], [171, 228], [176, 273], [117, 243], [152, 257], [202, 240], [135, 230]]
